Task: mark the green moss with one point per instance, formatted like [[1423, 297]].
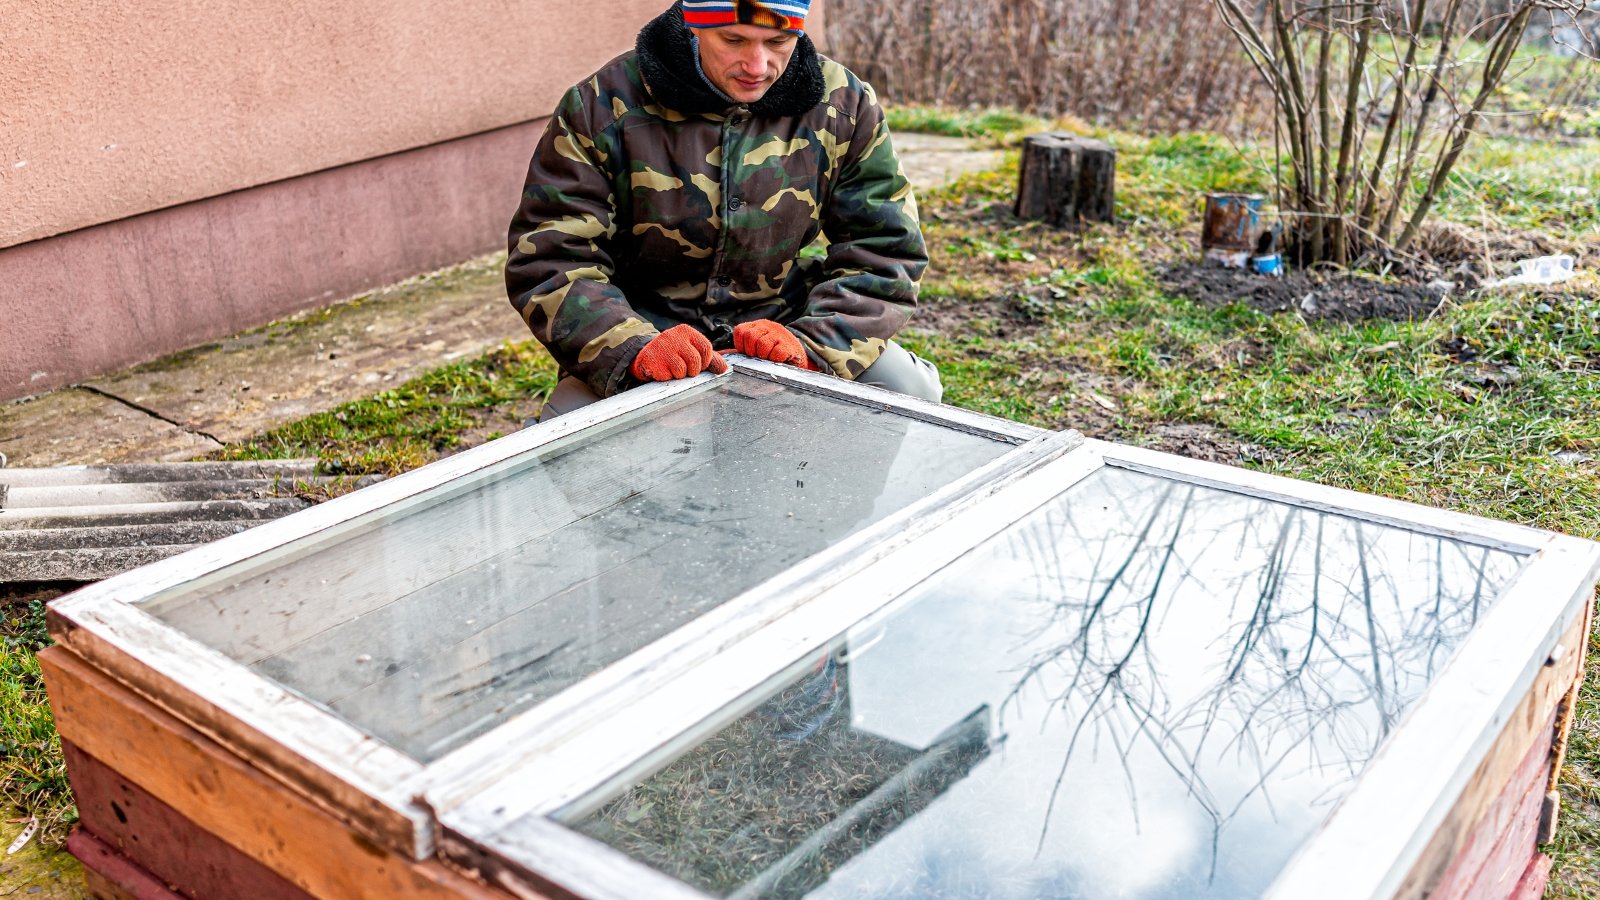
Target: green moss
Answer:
[[419, 421]]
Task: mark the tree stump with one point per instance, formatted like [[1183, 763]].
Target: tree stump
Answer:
[[1066, 180]]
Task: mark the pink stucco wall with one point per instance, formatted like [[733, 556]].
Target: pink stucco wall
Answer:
[[100, 298], [112, 109], [172, 171]]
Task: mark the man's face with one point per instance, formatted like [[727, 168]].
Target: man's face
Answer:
[[744, 61]]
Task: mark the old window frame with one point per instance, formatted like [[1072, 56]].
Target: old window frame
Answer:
[[375, 787], [1364, 848]]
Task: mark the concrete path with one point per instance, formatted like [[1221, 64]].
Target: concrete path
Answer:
[[194, 402]]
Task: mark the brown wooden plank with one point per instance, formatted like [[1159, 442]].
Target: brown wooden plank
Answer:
[[163, 843], [325, 759], [1518, 846], [1531, 722], [1534, 879], [1569, 705], [1502, 845], [100, 887], [111, 876], [238, 804]]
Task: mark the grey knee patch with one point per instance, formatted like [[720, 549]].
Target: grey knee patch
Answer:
[[904, 372], [569, 394]]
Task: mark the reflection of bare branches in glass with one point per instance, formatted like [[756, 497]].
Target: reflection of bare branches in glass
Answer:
[[1227, 663], [1230, 635]]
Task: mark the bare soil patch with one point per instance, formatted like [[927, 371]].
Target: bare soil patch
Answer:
[[1008, 314], [1340, 297], [1197, 440]]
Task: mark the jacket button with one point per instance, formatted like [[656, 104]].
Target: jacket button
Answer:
[[734, 203], [724, 280]]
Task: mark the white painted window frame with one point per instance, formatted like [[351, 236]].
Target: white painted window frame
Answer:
[[377, 788], [1364, 848]]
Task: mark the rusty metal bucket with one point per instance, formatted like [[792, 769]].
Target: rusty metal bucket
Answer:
[[1232, 228]]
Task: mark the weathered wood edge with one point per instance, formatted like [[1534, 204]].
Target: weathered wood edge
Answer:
[[887, 400], [1491, 830], [1569, 707], [1377, 833], [230, 797], [547, 859], [312, 751], [583, 758], [158, 839], [111, 876]]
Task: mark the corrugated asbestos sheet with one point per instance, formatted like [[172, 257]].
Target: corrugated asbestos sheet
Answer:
[[84, 523]]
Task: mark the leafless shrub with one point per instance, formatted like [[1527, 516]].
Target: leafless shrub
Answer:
[[1167, 65], [1376, 100]]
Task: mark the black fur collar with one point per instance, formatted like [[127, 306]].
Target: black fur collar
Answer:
[[666, 60]]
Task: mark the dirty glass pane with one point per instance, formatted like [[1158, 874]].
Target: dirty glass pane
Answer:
[[1145, 689], [432, 621]]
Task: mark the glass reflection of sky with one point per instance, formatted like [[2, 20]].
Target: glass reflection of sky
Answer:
[[1182, 683]]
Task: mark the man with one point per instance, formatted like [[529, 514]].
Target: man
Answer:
[[670, 199]]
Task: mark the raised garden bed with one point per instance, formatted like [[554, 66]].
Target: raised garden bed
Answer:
[[774, 634]]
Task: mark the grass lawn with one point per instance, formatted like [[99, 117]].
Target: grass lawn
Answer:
[[1489, 404]]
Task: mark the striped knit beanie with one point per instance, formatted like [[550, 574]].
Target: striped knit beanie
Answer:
[[788, 15]]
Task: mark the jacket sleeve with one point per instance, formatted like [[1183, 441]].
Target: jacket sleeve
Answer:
[[876, 255], [559, 262]]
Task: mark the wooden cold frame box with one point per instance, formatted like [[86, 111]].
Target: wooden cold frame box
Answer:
[[525, 669]]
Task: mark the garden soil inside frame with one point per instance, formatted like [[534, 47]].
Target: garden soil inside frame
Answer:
[[538, 733]]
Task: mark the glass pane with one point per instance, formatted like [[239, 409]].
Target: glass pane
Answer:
[[1145, 689], [430, 622]]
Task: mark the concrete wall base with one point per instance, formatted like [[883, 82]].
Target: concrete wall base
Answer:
[[102, 298]]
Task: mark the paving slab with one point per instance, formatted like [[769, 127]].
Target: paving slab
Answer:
[[931, 160], [194, 402], [242, 386], [73, 426]]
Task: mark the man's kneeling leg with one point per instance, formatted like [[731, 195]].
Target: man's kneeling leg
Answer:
[[904, 372], [569, 394]]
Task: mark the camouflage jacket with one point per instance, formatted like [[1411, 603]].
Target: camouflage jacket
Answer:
[[652, 201]]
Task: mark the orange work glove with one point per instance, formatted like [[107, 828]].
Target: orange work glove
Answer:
[[766, 339], [678, 352]]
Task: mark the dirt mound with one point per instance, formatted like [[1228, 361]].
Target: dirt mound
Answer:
[[1342, 297]]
